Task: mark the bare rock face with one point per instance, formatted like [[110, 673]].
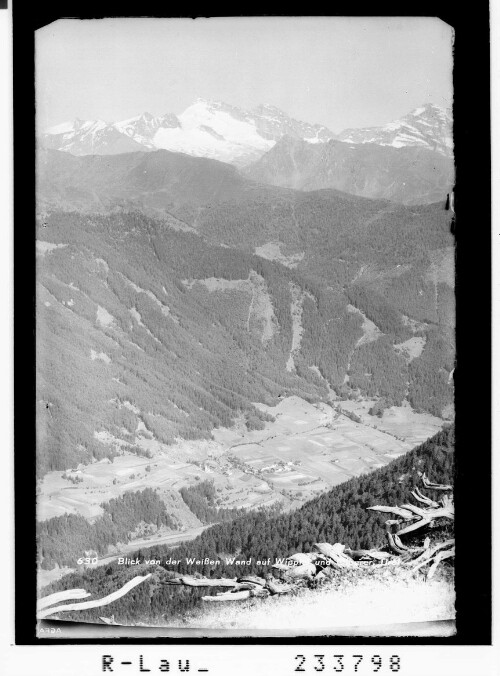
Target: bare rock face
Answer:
[[410, 174]]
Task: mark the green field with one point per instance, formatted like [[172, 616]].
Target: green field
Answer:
[[306, 450]]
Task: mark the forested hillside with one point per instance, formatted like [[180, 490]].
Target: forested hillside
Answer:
[[202, 501], [64, 539], [100, 182], [127, 353], [340, 515], [147, 333]]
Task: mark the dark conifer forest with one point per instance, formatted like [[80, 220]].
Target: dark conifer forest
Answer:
[[146, 322], [64, 539]]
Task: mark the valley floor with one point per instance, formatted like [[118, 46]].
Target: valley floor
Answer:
[[306, 450]]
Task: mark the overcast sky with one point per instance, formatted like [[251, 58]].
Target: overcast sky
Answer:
[[340, 72]]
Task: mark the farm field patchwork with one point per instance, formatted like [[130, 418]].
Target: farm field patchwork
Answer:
[[306, 450], [400, 421]]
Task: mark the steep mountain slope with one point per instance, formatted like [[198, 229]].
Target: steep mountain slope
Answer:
[[147, 334], [155, 179], [428, 126], [166, 328], [205, 129], [378, 255], [409, 175], [129, 356], [329, 235]]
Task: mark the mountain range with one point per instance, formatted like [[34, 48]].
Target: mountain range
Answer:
[[428, 126], [409, 174], [205, 129], [228, 133], [169, 289]]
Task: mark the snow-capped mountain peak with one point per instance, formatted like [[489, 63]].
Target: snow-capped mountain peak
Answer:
[[143, 128], [89, 137], [207, 128], [221, 131], [76, 126], [428, 126]]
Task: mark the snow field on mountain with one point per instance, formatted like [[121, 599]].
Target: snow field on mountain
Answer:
[[220, 131]]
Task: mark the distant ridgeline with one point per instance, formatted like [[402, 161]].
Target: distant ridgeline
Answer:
[[337, 516], [165, 328]]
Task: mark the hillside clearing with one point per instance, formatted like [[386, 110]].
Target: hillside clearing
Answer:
[[272, 252], [411, 348]]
